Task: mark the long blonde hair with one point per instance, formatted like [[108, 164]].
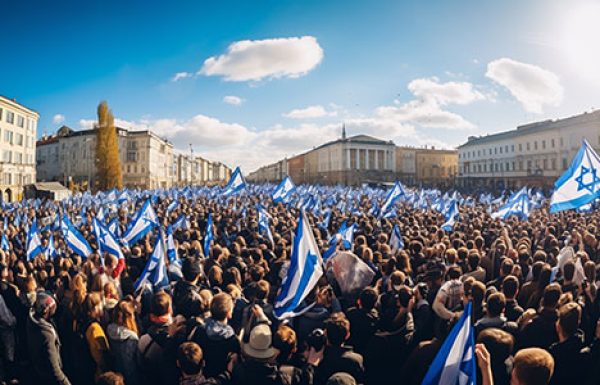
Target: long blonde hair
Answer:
[[124, 315]]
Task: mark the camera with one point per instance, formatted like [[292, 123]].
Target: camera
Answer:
[[316, 339]]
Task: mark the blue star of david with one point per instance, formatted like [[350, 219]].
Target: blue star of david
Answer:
[[588, 186]]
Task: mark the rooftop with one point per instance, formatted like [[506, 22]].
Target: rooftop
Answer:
[[532, 128]]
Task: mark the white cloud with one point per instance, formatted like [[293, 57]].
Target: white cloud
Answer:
[[181, 75], [309, 112], [58, 118], [424, 113], [271, 58], [430, 89], [233, 100], [533, 86]]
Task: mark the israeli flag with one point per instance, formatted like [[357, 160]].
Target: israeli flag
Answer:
[[263, 222], [396, 241], [518, 204], [34, 245], [208, 236], [50, 250], [303, 273], [345, 235], [236, 183], [172, 206], [171, 249], [5, 245], [284, 191], [455, 362], [144, 222], [100, 214], [181, 223], [107, 242], [114, 228], [155, 271], [396, 192], [451, 215], [75, 241], [580, 184]]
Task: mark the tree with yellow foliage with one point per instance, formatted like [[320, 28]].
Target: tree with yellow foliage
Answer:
[[108, 163]]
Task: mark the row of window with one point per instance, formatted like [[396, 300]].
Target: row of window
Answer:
[[543, 164], [16, 157], [17, 139], [507, 149], [18, 179], [9, 117]]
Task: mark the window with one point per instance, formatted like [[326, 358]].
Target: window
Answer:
[[18, 158], [10, 117], [512, 148], [1, 110], [506, 149], [19, 139], [20, 121], [535, 145], [501, 150], [520, 165], [7, 156], [520, 147], [8, 136], [543, 144], [562, 142], [545, 164], [528, 165], [564, 162], [131, 156], [552, 142], [527, 146], [553, 163]]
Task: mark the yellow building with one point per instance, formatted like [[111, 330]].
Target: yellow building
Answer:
[[436, 167]]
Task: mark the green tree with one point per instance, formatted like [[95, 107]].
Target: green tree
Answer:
[[108, 163]]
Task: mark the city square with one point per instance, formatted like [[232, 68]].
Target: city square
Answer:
[[310, 193]]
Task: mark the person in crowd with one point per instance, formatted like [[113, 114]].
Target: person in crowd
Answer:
[[44, 343], [510, 288], [123, 338]]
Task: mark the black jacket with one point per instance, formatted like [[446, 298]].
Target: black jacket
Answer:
[[340, 359], [570, 361], [541, 331], [363, 325], [44, 351], [512, 311]]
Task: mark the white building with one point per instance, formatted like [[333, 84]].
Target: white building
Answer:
[[18, 131], [69, 156], [534, 154]]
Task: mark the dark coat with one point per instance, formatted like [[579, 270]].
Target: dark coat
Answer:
[[217, 342], [124, 347], [541, 331], [340, 359], [256, 372], [363, 325], [571, 361], [44, 351], [512, 311]]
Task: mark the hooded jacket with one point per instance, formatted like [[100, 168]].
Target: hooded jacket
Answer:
[[44, 350], [123, 343], [217, 341]]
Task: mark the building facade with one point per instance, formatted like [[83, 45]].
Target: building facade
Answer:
[[534, 154], [364, 159], [147, 160], [436, 168], [18, 132]]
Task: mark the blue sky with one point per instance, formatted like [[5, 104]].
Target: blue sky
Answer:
[[284, 75]]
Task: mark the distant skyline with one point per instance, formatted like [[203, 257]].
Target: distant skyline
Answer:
[[248, 83]]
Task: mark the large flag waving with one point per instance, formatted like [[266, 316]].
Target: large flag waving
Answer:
[[74, 239], [580, 184], [451, 215], [208, 235], [146, 219], [155, 271], [106, 241], [284, 191], [235, 184], [34, 245], [396, 241], [302, 275], [396, 192], [518, 204], [263, 222], [455, 361]]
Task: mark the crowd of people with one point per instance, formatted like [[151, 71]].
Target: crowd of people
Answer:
[[532, 285]]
